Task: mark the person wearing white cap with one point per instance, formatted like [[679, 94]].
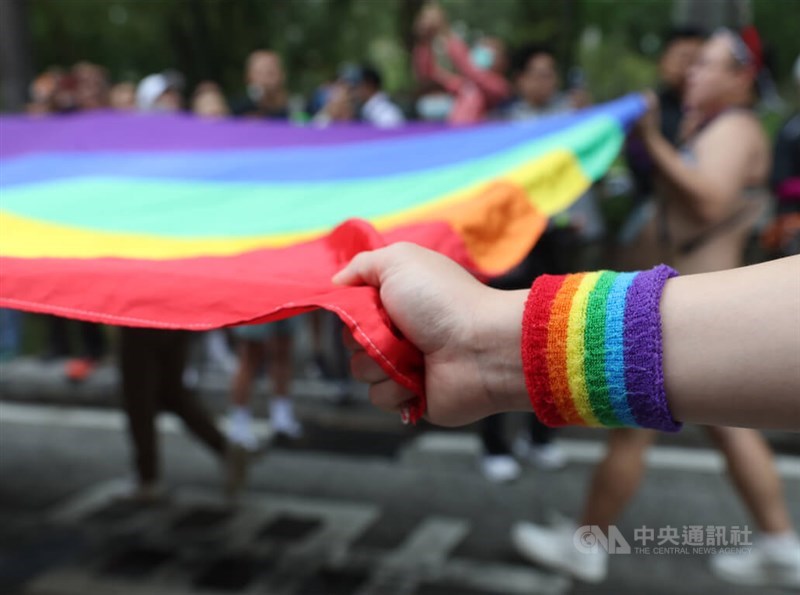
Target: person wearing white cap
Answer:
[[160, 92]]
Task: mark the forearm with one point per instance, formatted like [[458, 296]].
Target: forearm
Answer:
[[491, 84], [729, 349], [732, 346], [427, 69]]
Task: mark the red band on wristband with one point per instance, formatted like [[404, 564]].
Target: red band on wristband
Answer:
[[535, 321]]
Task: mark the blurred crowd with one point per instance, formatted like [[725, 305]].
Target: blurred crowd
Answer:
[[704, 185]]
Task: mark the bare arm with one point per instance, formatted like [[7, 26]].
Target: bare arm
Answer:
[[492, 85], [731, 340], [732, 346], [724, 155]]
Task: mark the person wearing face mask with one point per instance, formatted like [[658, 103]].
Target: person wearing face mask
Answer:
[[476, 82]]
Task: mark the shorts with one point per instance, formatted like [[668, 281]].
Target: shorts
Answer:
[[258, 333]]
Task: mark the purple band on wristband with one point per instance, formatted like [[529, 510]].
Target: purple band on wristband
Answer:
[[644, 375]]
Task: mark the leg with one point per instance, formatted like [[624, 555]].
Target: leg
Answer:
[[540, 433], [280, 369], [172, 394], [773, 559], [137, 373], [58, 335], [615, 482], [280, 407], [251, 354], [10, 333], [494, 442], [617, 478], [93, 340], [497, 464], [751, 466]]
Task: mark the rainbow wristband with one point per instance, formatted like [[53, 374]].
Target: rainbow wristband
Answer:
[[591, 350]]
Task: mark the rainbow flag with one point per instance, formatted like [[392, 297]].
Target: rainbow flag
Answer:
[[175, 222]]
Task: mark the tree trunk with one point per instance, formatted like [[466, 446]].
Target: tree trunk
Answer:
[[15, 55]]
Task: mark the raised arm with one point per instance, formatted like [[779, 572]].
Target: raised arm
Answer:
[[724, 157], [493, 85]]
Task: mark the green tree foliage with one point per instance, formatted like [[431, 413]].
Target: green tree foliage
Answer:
[[614, 41]]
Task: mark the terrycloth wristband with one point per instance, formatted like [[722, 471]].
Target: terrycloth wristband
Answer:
[[591, 350]]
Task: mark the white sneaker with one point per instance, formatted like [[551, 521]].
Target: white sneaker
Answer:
[[500, 468], [554, 548], [548, 456], [761, 566], [239, 429], [282, 418]]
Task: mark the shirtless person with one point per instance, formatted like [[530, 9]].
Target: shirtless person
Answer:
[[709, 195]]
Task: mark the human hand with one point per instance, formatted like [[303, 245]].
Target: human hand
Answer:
[[468, 333], [649, 125], [430, 22]]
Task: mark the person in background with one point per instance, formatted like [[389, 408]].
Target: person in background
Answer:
[[151, 363], [122, 97], [710, 194], [160, 92], [92, 341], [339, 105], [91, 86], [537, 86], [263, 345], [43, 91], [375, 106], [266, 95], [10, 333], [538, 94], [57, 92], [208, 101], [782, 238], [478, 84], [681, 48]]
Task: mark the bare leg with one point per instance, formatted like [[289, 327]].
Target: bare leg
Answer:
[[280, 408], [617, 477], [251, 354], [138, 371], [280, 348], [173, 395], [751, 466]]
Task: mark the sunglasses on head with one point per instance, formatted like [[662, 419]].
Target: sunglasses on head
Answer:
[[739, 50]]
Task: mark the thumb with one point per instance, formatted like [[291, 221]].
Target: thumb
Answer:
[[365, 268]]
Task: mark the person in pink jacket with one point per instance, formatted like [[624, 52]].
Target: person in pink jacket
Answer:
[[476, 81]]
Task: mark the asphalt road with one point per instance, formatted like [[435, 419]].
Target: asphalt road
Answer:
[[362, 506]]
